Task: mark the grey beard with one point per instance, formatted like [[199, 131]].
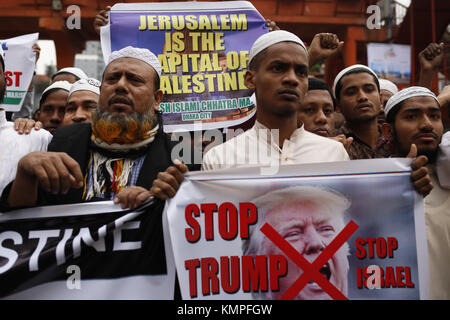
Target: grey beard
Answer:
[[122, 121]]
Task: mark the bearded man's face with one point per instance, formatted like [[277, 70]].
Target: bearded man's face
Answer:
[[128, 97]]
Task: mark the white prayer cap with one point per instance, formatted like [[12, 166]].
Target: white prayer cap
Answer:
[[77, 72], [347, 70], [88, 84], [138, 53], [271, 38], [407, 93], [64, 85], [388, 85]]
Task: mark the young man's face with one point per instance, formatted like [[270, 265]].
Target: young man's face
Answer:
[[281, 80], [52, 110], [317, 113], [418, 122], [359, 98], [79, 107]]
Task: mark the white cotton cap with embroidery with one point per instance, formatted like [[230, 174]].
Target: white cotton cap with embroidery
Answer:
[[138, 53], [347, 70], [64, 85], [72, 70], [271, 38], [388, 85], [89, 84], [407, 93]]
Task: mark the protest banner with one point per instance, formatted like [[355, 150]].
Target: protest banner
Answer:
[[20, 61], [390, 61], [86, 251], [203, 51], [342, 230]]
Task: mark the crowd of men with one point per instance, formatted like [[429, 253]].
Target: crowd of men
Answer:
[[105, 140]]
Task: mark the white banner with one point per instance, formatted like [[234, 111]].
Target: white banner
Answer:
[[20, 62], [342, 230]]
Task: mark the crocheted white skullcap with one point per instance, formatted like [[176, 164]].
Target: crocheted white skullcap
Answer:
[[388, 85], [138, 53], [88, 84], [407, 93], [271, 38]]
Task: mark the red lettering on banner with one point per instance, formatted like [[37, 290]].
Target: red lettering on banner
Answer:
[[229, 274], [399, 276], [9, 81], [359, 278], [360, 250], [228, 221], [248, 215], [278, 268], [390, 277], [392, 245], [210, 281], [254, 273], [208, 209], [193, 233], [17, 74], [191, 266], [257, 273], [9, 78], [408, 281], [379, 246]]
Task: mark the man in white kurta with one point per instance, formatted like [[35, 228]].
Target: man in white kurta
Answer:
[[14, 146], [259, 146], [278, 73], [437, 221], [413, 116]]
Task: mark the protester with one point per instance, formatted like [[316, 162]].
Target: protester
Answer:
[[52, 105], [278, 73], [413, 118], [387, 90], [357, 92], [12, 145], [83, 98], [70, 74], [99, 161], [309, 218], [317, 111]]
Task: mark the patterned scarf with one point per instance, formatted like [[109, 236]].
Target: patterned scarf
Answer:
[[111, 166]]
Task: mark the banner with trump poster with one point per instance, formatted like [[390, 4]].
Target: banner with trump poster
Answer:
[[85, 251], [203, 51], [342, 230]]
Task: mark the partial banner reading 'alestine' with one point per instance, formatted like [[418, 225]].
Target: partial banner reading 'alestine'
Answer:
[[203, 51]]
